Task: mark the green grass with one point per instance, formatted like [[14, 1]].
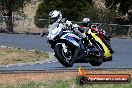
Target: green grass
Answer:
[[64, 84]]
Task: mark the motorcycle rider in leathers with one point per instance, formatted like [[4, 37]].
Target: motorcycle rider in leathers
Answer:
[[55, 19]]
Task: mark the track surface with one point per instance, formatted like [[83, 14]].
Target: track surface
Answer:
[[121, 59]]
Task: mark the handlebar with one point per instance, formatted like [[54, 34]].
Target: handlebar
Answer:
[[43, 34]]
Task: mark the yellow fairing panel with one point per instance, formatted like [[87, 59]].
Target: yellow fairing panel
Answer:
[[106, 50]]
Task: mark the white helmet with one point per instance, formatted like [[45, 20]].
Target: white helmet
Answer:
[[55, 16]]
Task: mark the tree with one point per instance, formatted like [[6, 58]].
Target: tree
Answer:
[[125, 6], [122, 5], [101, 15], [71, 9], [8, 7]]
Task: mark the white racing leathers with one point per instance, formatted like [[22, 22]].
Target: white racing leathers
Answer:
[[56, 27]]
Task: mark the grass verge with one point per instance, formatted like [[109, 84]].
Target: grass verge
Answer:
[[56, 80], [64, 84], [13, 56]]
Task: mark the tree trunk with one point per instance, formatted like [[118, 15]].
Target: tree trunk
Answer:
[[9, 18], [9, 22]]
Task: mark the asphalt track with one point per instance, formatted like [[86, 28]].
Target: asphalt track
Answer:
[[122, 58]]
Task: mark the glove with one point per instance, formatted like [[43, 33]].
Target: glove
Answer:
[[42, 34]]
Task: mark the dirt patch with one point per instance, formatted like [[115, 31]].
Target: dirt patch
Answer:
[[13, 78], [36, 77], [10, 55]]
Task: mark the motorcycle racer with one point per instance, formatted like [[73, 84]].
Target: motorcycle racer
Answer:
[[95, 32], [56, 19], [66, 40]]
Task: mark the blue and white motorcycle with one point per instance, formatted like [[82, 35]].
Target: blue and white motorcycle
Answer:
[[69, 48]]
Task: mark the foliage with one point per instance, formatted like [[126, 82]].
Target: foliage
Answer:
[[125, 6], [10, 7], [71, 9], [102, 15]]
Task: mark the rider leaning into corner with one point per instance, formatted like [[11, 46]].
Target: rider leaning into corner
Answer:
[[86, 24], [56, 19]]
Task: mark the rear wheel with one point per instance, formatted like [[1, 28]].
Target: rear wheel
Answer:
[[97, 57], [111, 50], [64, 54], [108, 44], [109, 58]]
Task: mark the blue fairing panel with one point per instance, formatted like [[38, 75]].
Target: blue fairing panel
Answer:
[[71, 39]]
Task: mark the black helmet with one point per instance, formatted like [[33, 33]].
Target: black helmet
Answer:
[[86, 22]]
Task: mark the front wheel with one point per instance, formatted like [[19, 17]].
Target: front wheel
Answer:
[[64, 54], [98, 56]]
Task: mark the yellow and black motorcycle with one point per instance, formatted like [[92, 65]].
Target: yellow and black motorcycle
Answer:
[[95, 38]]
